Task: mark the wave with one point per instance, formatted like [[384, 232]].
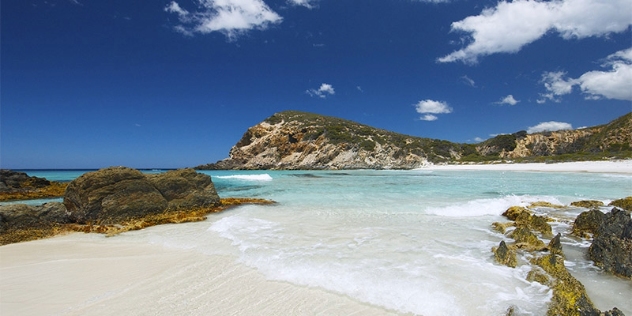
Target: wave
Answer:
[[248, 177], [482, 207]]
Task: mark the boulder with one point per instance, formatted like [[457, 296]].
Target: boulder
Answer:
[[526, 239], [185, 188], [612, 243], [116, 194], [587, 223]]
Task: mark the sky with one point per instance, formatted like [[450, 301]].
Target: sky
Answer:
[[169, 84]]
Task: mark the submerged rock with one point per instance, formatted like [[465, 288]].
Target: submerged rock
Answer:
[[115, 194], [625, 203], [612, 243], [587, 203]]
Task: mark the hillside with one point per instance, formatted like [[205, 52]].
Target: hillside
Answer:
[[300, 140]]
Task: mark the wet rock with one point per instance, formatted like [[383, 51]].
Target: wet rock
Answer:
[[525, 239], [612, 243], [555, 245], [534, 222], [505, 255], [614, 312], [116, 194], [625, 203], [587, 223], [587, 204], [513, 212], [545, 204], [569, 295], [502, 227]]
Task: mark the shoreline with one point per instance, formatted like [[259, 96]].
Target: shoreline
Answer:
[[616, 166]]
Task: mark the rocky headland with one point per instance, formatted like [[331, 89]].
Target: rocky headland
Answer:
[[611, 248], [300, 140], [117, 199]]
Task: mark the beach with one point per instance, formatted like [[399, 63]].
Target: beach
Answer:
[[618, 166], [337, 243]]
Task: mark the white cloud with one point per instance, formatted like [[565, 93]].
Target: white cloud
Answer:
[[478, 139], [322, 92], [304, 3], [469, 81], [231, 17], [549, 127], [429, 117], [511, 25], [430, 107], [508, 100], [615, 83]]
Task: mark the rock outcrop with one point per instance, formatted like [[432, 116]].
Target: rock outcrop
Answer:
[[612, 243], [15, 185], [19, 222], [116, 194]]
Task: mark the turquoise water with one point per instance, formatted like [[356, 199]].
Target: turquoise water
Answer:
[[410, 241]]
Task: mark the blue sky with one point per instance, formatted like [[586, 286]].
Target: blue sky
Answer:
[[91, 84]]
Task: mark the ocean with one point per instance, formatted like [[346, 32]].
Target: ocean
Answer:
[[411, 242]]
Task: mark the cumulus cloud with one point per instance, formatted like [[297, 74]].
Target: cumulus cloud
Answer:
[[614, 83], [430, 107], [231, 17], [322, 92], [509, 26], [508, 100], [549, 127]]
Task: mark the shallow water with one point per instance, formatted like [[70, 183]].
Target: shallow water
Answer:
[[409, 241]]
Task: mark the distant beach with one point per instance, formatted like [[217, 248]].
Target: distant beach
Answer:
[[616, 166]]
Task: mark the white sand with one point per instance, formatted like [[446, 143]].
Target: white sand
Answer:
[[618, 166], [88, 274]]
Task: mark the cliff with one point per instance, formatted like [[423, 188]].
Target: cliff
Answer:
[[300, 140]]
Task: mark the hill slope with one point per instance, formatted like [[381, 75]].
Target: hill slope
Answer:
[[300, 140]]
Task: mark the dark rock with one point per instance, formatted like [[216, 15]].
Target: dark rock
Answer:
[[116, 194], [555, 245], [587, 222], [22, 216], [186, 188], [587, 204], [15, 181], [614, 312], [612, 243]]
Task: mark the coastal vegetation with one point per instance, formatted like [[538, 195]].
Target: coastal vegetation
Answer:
[[301, 140]]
